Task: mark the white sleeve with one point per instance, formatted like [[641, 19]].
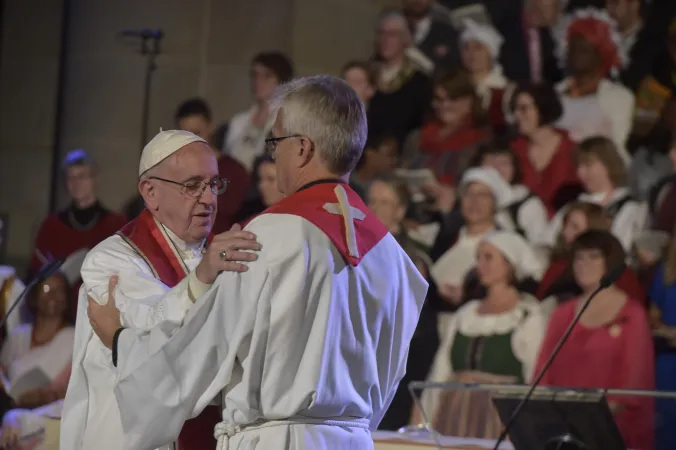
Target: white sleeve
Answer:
[[168, 375], [629, 222], [527, 339], [551, 232], [143, 300], [532, 218]]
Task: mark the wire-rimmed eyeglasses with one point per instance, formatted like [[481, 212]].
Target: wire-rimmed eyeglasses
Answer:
[[271, 142], [195, 188]]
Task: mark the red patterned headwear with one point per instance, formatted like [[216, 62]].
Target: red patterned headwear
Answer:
[[600, 30]]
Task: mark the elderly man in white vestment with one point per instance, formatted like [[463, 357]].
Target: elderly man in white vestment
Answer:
[[307, 347], [157, 257]]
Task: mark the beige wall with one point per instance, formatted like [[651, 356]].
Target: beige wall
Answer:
[[206, 52], [29, 68]]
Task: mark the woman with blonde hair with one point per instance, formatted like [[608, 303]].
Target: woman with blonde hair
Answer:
[[604, 177]]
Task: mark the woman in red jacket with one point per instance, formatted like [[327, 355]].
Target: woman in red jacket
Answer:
[[611, 347]]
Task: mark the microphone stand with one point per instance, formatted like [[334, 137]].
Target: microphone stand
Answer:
[[150, 48], [566, 441]]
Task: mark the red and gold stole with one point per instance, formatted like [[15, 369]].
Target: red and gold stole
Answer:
[[148, 240]]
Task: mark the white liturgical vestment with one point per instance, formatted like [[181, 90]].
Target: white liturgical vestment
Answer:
[[306, 348], [91, 419]]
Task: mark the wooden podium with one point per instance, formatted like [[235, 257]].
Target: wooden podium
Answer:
[[392, 440]]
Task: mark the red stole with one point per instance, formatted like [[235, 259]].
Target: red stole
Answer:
[[146, 238], [311, 203]]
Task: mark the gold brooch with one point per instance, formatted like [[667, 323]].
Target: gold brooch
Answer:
[[615, 330]]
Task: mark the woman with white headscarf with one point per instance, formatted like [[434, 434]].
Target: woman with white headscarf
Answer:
[[480, 50], [495, 339], [481, 194]]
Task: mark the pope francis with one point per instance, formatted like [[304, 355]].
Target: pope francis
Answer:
[[306, 348], [158, 257]]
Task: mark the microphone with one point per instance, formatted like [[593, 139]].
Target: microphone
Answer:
[[606, 281], [45, 272], [143, 33]]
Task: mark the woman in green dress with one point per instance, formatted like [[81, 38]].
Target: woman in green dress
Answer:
[[490, 340]]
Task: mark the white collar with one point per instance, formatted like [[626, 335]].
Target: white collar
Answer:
[[422, 29], [186, 250], [519, 192], [471, 323], [598, 198]]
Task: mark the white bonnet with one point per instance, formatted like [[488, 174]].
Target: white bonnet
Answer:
[[491, 178], [517, 252], [484, 33]]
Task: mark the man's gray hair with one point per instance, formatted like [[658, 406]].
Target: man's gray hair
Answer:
[[329, 112]]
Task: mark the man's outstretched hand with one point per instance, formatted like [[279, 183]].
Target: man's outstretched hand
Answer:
[[105, 319]]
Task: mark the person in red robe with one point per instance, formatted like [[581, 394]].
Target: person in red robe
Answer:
[[546, 154], [558, 280], [83, 224], [194, 115], [611, 347]]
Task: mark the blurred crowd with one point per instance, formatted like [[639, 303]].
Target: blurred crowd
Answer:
[[517, 156]]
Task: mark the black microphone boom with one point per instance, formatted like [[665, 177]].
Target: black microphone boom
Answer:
[[143, 33], [608, 279], [47, 271]]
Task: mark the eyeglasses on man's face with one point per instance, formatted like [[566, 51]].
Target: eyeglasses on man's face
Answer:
[[195, 188], [271, 142]]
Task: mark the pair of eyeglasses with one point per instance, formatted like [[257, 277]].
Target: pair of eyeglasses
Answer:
[[271, 143], [196, 188]]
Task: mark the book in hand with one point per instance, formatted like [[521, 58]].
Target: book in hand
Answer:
[[31, 379]]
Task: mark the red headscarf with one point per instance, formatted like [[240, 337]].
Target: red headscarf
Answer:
[[599, 33]]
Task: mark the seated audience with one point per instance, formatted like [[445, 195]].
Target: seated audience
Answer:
[[651, 161], [247, 130], [604, 177], [404, 93], [379, 158], [480, 55], [592, 104], [389, 200], [265, 180], [194, 115], [80, 226], [436, 39], [545, 153], [536, 45], [523, 212], [611, 347], [445, 145], [494, 339], [454, 251], [361, 77], [11, 287], [558, 283], [663, 320], [45, 345], [657, 87], [663, 196]]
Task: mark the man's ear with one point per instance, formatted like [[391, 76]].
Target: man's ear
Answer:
[[147, 190], [305, 151]]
